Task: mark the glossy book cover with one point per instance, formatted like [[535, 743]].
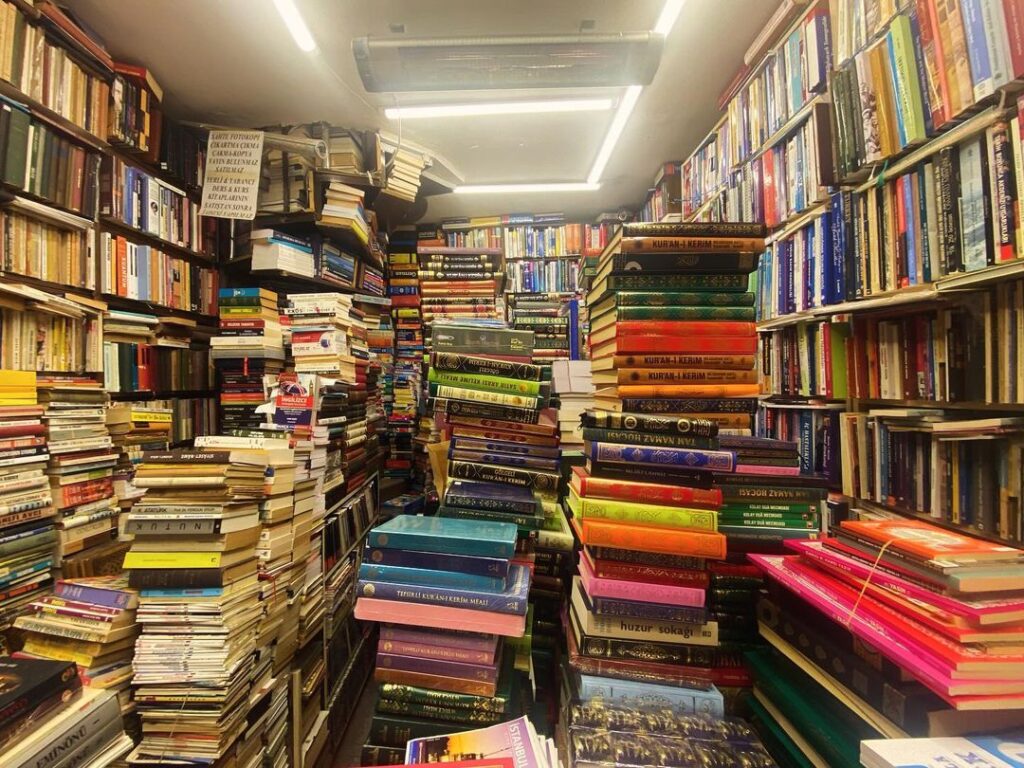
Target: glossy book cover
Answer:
[[445, 535]]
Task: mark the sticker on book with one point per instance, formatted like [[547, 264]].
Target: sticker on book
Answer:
[[231, 184]]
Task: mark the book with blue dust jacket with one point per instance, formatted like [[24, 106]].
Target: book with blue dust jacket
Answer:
[[512, 600], [445, 535]]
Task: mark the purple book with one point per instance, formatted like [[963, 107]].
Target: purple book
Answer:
[[107, 591], [440, 652], [407, 558], [487, 673], [446, 638]]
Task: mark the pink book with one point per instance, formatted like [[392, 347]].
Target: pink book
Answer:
[[439, 616], [757, 469], [640, 591], [892, 641], [446, 638], [977, 612]]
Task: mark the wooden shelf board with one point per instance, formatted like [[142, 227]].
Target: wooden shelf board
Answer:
[[109, 222]]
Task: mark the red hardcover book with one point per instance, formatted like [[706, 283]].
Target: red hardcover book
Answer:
[[1014, 11], [588, 486], [925, 542], [696, 327], [931, 47]]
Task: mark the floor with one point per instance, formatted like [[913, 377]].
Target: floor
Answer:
[[352, 744]]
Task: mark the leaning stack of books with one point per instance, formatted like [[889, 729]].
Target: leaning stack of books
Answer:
[[248, 349], [81, 469], [198, 603], [915, 626], [48, 717], [448, 595], [92, 623], [542, 314], [403, 288], [27, 525], [135, 428]]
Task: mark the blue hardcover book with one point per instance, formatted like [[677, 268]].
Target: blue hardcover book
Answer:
[[502, 446], [574, 329], [429, 578], [512, 600], [647, 695], [977, 49], [451, 537], [906, 183], [606, 606], [500, 497], [614, 453], [492, 567], [806, 442], [234, 293]]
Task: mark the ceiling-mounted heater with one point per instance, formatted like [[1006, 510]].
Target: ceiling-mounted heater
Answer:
[[505, 62]]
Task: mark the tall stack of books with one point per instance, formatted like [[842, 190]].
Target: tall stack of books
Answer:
[[248, 349], [195, 658], [571, 380], [27, 525], [448, 594], [135, 428], [81, 469], [910, 624], [403, 288], [459, 282], [47, 715], [550, 325], [90, 622], [380, 342]]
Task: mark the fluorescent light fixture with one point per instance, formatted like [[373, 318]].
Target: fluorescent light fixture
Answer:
[[488, 189], [668, 16], [499, 108], [293, 20], [614, 132]]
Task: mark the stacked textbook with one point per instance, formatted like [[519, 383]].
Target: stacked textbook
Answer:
[[248, 348], [891, 628], [196, 571], [448, 595]]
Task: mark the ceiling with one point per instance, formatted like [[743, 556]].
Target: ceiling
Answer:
[[233, 62]]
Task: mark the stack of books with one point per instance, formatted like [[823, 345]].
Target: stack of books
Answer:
[[572, 382], [915, 624], [195, 659], [403, 176], [343, 209], [27, 525], [459, 282], [92, 623], [248, 350], [403, 289], [380, 342], [280, 252], [47, 715], [448, 594], [135, 428], [544, 316], [81, 469]]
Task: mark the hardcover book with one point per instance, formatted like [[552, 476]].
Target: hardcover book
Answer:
[[445, 536]]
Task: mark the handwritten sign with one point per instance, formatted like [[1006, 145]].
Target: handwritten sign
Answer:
[[232, 180]]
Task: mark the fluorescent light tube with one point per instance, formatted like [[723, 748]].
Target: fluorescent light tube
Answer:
[[563, 186], [293, 20], [499, 108], [668, 16], [614, 132]]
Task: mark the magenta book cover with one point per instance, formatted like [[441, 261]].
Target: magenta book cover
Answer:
[[514, 739]]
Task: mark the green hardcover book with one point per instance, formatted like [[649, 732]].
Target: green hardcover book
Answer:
[[436, 712], [17, 147], [499, 703], [485, 383], [736, 519], [373, 754], [767, 508], [723, 283], [685, 313], [647, 514]]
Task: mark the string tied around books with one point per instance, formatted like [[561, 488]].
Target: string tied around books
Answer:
[[867, 582]]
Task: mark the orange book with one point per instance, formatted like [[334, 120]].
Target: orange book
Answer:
[[687, 327], [689, 390], [521, 438], [598, 532], [923, 541], [683, 376], [739, 362], [689, 244]]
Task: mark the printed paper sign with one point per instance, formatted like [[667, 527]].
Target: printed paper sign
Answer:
[[232, 180]]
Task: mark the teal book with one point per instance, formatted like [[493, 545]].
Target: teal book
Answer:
[[430, 578], [450, 536]]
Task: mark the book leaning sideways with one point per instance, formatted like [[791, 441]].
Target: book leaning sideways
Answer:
[[1002, 751]]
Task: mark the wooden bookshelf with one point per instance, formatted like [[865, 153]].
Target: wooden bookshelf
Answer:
[[148, 238]]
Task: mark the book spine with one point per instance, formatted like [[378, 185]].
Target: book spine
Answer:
[[484, 366], [692, 229], [662, 653], [676, 517], [667, 263], [395, 731], [721, 461], [647, 592], [430, 578], [1003, 202], [416, 695], [656, 376], [479, 396], [440, 682], [603, 606], [729, 362], [448, 638], [592, 434], [537, 480], [644, 423], [411, 593], [520, 506], [437, 712], [691, 244], [678, 283], [735, 313], [491, 411], [671, 344], [525, 523], [480, 672], [670, 577], [648, 493], [107, 598], [442, 653], [642, 695], [484, 383], [681, 299], [605, 533], [492, 567]]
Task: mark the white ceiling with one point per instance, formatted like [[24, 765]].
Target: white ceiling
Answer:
[[234, 62]]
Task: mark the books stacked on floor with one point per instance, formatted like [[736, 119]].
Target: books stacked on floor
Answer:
[[81, 469], [380, 342], [248, 350], [448, 594], [598, 733], [90, 622], [195, 661], [459, 283], [899, 628], [571, 381], [403, 288], [47, 713], [27, 524], [278, 251], [135, 428], [545, 317]]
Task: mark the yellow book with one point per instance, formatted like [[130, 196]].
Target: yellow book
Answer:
[[644, 514], [154, 560]]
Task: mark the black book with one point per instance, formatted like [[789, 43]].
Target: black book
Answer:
[[29, 683]]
